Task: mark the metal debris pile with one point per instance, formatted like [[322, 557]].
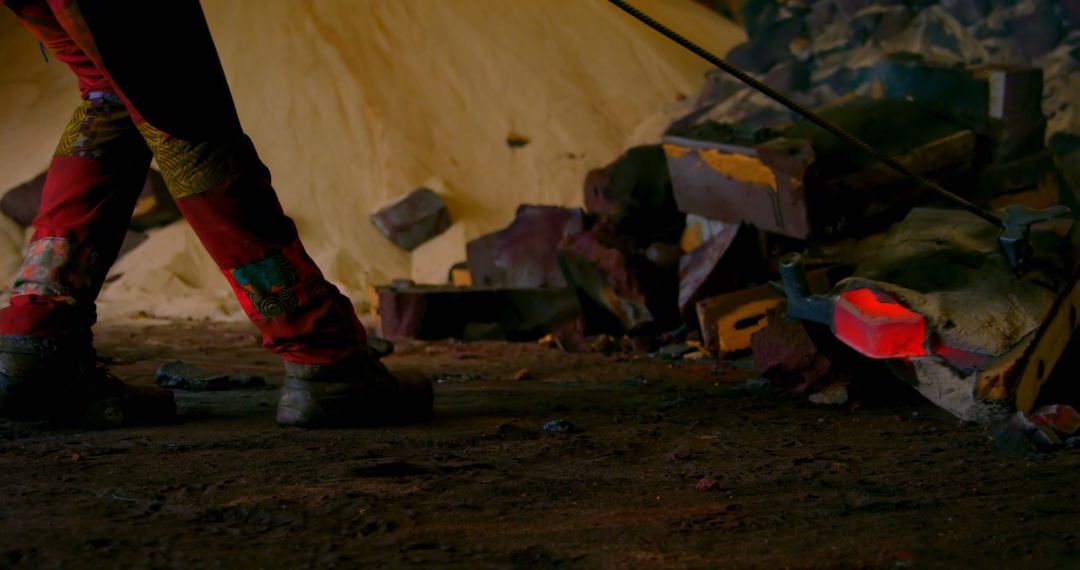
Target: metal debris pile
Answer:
[[747, 232]]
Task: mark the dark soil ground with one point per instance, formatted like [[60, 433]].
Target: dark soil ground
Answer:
[[788, 484]]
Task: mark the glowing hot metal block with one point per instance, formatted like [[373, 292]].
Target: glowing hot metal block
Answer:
[[878, 326]]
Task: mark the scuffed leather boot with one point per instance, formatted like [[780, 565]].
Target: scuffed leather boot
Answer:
[[47, 379], [358, 391]]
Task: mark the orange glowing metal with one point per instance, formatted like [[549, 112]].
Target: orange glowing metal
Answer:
[[878, 326]]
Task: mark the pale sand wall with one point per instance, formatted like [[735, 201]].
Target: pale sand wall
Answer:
[[352, 103]]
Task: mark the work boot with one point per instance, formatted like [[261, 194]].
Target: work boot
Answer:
[[358, 391], [41, 379]]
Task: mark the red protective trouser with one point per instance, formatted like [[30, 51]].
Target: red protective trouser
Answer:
[[156, 88]]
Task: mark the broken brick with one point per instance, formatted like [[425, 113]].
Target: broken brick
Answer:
[[413, 219]]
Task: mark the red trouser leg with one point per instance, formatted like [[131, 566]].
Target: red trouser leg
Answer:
[[213, 171], [91, 188]]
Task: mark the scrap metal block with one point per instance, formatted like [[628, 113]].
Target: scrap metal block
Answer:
[[806, 183], [728, 321], [413, 219], [432, 313], [525, 254], [727, 261], [785, 349], [633, 196], [763, 185], [1003, 103], [614, 276]]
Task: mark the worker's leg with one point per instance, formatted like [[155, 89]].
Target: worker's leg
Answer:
[[93, 182], [212, 170]]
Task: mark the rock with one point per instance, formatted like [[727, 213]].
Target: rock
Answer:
[[832, 395], [759, 15], [633, 197], [180, 375], [603, 343], [1035, 32], [380, 346], [967, 12], [243, 380], [561, 427], [449, 377], [676, 351], [757, 386], [413, 219], [1011, 438], [764, 51], [707, 484], [525, 254], [522, 374], [788, 77], [851, 8], [880, 23]]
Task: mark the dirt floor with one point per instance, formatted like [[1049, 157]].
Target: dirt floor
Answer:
[[685, 466]]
